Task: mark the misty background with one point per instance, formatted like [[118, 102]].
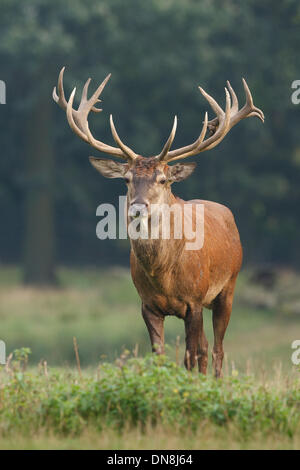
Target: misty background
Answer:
[[158, 52]]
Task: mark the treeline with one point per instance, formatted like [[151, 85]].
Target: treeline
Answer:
[[158, 53]]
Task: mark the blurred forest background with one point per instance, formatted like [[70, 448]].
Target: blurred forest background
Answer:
[[158, 51]]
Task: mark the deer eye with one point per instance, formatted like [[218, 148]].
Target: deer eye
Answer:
[[127, 180]]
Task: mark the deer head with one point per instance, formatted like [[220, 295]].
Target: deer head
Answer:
[[149, 179]]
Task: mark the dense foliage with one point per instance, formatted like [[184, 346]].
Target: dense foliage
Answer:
[[158, 53], [137, 392]]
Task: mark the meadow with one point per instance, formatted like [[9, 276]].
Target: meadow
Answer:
[[124, 398]]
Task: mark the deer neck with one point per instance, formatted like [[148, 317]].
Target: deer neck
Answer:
[[159, 255]]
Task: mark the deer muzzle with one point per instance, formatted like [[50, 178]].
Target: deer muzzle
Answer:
[[138, 211]]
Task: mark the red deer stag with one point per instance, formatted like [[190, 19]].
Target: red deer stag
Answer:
[[170, 279]]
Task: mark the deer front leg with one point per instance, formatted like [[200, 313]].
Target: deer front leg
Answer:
[[202, 351], [155, 325], [195, 342]]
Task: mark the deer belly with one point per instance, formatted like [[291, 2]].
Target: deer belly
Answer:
[[162, 305]]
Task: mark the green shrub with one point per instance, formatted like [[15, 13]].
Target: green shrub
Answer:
[[137, 392]]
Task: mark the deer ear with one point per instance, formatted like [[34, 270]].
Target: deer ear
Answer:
[[109, 168], [180, 171]]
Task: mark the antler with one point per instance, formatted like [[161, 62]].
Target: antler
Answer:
[[78, 119], [218, 127]]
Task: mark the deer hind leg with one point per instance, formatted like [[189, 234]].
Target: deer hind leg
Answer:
[[222, 307], [196, 342], [155, 326], [202, 351]]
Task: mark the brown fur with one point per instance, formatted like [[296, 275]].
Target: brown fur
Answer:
[[174, 281], [170, 279]]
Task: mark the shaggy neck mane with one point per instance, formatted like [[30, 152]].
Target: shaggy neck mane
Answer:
[[157, 255]]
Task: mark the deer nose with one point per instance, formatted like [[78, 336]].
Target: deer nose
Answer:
[[138, 210]]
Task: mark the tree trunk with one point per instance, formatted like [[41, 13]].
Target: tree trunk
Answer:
[[39, 264]]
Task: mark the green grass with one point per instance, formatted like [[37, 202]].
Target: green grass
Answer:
[[138, 396], [206, 438]]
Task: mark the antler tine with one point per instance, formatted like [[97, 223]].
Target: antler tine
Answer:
[[169, 142], [86, 105], [95, 143], [70, 117], [84, 96], [219, 135], [221, 124], [235, 102], [196, 144], [130, 153], [200, 144], [78, 119], [60, 98], [217, 109], [249, 102], [248, 110], [85, 90], [222, 129], [191, 146], [258, 114]]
